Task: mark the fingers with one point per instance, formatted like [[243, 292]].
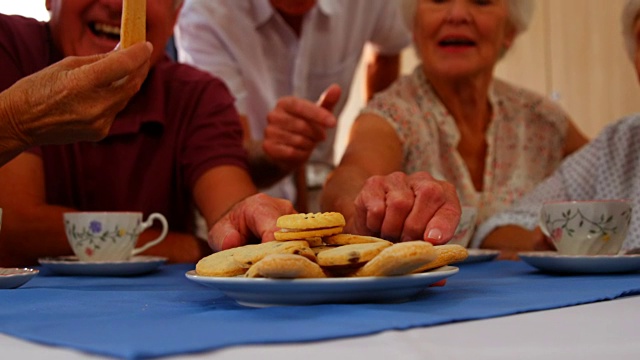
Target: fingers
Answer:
[[307, 111], [119, 64], [442, 225], [330, 97], [403, 208], [252, 218]]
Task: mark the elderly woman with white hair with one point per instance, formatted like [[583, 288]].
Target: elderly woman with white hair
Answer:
[[452, 119], [607, 168]]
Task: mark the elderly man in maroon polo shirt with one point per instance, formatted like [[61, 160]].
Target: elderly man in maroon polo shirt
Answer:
[[177, 144]]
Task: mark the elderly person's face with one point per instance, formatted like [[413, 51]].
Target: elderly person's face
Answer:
[[89, 27], [461, 38], [293, 7]]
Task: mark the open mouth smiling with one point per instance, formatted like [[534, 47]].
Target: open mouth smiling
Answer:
[[106, 31], [456, 42]]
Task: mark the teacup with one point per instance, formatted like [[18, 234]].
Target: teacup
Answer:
[[596, 227], [466, 226], [109, 236]]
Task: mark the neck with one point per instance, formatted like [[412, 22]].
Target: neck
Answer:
[[467, 100]]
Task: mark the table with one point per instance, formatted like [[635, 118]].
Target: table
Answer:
[[591, 331]]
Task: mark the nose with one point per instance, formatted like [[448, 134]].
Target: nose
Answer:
[[459, 11]]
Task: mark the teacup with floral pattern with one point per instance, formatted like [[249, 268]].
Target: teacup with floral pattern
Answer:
[[595, 227], [109, 236]]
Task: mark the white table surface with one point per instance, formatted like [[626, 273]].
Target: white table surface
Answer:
[[605, 330]]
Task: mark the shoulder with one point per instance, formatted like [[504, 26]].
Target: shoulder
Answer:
[[25, 48], [19, 33], [529, 104], [404, 89], [623, 132]]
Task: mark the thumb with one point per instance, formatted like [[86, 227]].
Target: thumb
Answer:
[[225, 237], [330, 97]]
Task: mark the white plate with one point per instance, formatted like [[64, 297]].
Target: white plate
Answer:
[[11, 278], [70, 265], [594, 264], [260, 292], [479, 255]]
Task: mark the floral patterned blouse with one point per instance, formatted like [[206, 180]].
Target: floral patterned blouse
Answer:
[[525, 139]]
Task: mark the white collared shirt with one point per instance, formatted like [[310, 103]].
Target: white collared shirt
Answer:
[[249, 46]]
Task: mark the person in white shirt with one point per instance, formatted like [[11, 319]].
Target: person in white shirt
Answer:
[[278, 58]]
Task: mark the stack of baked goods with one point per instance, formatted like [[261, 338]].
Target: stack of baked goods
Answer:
[[314, 246]]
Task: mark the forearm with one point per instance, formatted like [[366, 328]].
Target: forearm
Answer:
[[264, 172], [11, 141], [177, 247], [29, 234], [512, 239], [341, 189]]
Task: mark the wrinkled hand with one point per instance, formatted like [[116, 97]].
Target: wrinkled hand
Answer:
[[77, 98], [297, 125], [402, 207], [250, 219]]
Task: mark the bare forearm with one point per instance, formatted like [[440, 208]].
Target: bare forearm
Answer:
[[177, 247], [263, 171], [512, 239], [29, 235], [11, 142], [342, 188]]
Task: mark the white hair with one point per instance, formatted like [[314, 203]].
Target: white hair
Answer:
[[629, 18], [520, 13]]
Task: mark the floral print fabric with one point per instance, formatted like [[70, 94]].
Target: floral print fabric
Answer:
[[525, 139]]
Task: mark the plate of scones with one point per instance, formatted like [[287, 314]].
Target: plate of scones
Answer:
[[313, 262]]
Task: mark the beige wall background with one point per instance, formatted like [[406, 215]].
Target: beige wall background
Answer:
[[573, 53]]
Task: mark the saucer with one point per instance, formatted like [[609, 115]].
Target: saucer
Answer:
[[479, 255], [70, 265], [11, 278], [551, 261]]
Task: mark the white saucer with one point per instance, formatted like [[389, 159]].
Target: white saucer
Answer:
[[11, 278], [479, 255], [262, 292], [594, 264], [70, 265]]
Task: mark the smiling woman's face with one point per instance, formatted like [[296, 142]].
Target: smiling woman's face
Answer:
[[89, 27], [461, 38]]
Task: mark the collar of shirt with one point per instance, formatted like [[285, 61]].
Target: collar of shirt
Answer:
[[263, 11]]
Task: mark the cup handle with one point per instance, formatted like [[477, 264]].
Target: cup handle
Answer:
[[145, 225]]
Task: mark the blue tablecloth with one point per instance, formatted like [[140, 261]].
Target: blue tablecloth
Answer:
[[166, 314]]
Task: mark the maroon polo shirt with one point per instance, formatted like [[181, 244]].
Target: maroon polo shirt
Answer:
[[181, 124]]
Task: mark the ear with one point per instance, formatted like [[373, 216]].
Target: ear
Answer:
[[510, 35]]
